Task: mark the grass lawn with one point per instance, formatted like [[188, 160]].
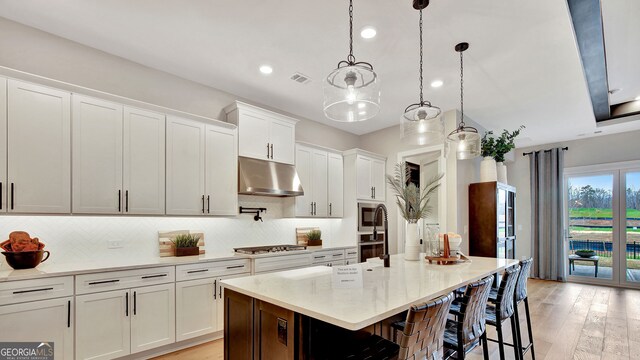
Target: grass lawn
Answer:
[[607, 229], [600, 213]]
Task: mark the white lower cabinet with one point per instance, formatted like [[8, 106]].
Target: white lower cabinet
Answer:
[[196, 308], [117, 323], [49, 321]]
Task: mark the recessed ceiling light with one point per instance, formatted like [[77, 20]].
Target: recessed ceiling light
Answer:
[[436, 83], [637, 98], [368, 32], [266, 69]]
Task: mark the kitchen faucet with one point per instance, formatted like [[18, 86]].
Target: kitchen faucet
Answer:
[[385, 255]]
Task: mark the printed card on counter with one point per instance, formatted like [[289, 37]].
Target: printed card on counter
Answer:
[[347, 277]]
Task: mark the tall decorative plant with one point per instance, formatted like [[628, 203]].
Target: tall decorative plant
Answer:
[[497, 147], [414, 204]]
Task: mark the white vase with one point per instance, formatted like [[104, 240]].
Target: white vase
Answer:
[[488, 170], [502, 172], [411, 242]]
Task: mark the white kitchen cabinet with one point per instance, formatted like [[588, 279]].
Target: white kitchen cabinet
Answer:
[[370, 178], [3, 146], [49, 321], [153, 319], [202, 175], [143, 174], [39, 149], [335, 185], [304, 203], [319, 183], [97, 156], [263, 134], [196, 308], [220, 300]]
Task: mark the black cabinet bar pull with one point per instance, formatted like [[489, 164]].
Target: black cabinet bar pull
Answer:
[[126, 304], [203, 204], [337, 254], [197, 271], [220, 293], [0, 195], [69, 313], [126, 201], [374, 192], [268, 155], [311, 208], [12, 196], [208, 204], [119, 200], [135, 303], [154, 276], [235, 267], [30, 291], [272, 151], [329, 209], [319, 257], [104, 282], [215, 286]]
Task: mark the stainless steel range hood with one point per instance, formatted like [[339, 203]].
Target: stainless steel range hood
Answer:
[[267, 178]]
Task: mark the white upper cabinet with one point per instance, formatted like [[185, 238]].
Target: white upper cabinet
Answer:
[[319, 183], [335, 185], [143, 162], [202, 169], [304, 203], [39, 149], [263, 134], [185, 167], [378, 179], [370, 178], [97, 156], [3, 146]]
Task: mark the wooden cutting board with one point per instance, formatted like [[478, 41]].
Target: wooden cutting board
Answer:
[[301, 235], [166, 246]]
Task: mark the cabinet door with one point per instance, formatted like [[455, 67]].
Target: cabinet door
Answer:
[[319, 183], [196, 308], [102, 325], [364, 187], [220, 300], [304, 157], [153, 322], [221, 176], [253, 139], [97, 156], [144, 153], [47, 321], [335, 188], [378, 179], [185, 167], [39, 149], [3, 146], [282, 137]]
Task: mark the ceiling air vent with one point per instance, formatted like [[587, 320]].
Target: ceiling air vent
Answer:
[[300, 78]]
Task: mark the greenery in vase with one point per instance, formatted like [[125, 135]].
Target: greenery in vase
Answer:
[[414, 204], [498, 147], [186, 241], [314, 235]]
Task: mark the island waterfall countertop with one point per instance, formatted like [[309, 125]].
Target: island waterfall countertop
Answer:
[[384, 293]]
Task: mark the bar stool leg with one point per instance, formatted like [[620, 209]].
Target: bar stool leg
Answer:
[[500, 339], [514, 333], [526, 307], [485, 346], [519, 331]]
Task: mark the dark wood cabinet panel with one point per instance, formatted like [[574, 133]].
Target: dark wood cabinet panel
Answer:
[[492, 216], [238, 326]]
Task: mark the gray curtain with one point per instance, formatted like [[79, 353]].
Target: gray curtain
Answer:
[[547, 233]]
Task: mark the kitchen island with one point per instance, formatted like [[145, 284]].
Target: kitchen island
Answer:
[[277, 315]]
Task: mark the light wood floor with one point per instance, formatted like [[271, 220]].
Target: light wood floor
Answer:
[[570, 321]]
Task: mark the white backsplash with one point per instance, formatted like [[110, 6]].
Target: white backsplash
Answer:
[[85, 238]]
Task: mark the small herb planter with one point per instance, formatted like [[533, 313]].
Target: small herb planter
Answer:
[[187, 251]]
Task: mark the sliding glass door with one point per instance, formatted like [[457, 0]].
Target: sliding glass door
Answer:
[[602, 219]]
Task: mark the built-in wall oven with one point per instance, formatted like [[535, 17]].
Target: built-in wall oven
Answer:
[[370, 247], [366, 218]]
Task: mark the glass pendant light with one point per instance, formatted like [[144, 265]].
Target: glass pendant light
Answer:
[[352, 90], [420, 123], [466, 137]]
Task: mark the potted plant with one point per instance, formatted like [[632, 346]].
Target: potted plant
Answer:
[[488, 170], [315, 237], [413, 203], [494, 149], [186, 244]]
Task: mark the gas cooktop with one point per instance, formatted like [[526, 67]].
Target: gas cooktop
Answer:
[[254, 250]]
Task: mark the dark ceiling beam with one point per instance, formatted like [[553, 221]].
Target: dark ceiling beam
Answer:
[[587, 24]]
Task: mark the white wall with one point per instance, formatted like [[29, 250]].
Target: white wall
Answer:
[[591, 151]]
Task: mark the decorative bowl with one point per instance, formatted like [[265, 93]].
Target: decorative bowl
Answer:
[[25, 259], [585, 253]]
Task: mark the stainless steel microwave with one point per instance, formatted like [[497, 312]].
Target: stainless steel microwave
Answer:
[[366, 219]]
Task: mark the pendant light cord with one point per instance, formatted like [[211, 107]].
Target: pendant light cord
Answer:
[[461, 91], [421, 50], [351, 59]]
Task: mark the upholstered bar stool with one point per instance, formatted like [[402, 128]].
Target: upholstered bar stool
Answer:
[[421, 338], [502, 309], [521, 295], [468, 329]]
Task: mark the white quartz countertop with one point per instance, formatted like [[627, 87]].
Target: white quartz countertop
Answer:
[[384, 293]]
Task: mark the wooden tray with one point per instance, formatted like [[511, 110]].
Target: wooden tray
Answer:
[[448, 261]]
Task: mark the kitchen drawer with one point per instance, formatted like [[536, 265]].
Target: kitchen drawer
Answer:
[[12, 292], [351, 253], [284, 262], [327, 255], [331, 263], [212, 269], [115, 280]]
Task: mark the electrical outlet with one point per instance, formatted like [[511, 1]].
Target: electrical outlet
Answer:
[[114, 244]]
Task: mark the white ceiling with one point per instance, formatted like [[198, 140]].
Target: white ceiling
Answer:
[[522, 66]]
